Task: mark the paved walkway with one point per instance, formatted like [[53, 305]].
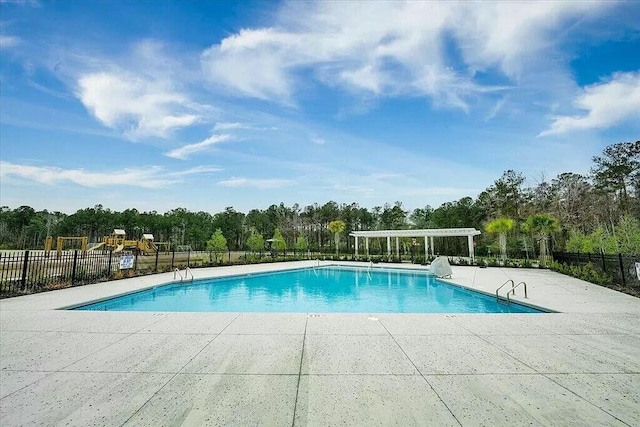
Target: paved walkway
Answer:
[[578, 367]]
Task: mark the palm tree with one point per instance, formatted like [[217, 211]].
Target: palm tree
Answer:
[[337, 227], [501, 226], [541, 226]]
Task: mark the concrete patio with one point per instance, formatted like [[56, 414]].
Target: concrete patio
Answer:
[[580, 366]]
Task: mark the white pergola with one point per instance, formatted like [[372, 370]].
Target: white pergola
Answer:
[[429, 233]]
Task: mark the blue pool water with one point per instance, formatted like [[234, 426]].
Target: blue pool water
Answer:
[[321, 290]]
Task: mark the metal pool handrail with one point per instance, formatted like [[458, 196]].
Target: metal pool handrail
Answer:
[[513, 290], [502, 286], [175, 270]]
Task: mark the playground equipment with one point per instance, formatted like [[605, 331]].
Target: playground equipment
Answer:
[[48, 244], [118, 242]]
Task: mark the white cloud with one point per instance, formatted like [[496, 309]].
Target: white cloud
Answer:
[[231, 126], [145, 177], [391, 48], [317, 139], [186, 150], [451, 193], [359, 190], [140, 106], [22, 2], [607, 104], [236, 182], [8, 41], [495, 110]]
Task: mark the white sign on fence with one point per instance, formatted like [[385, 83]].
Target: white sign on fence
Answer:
[[126, 261], [638, 270]]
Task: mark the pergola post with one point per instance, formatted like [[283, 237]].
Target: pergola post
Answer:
[[433, 253], [426, 248], [366, 243], [356, 246], [398, 247], [471, 251], [388, 245]]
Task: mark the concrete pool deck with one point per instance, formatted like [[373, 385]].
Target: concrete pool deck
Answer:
[[577, 367]]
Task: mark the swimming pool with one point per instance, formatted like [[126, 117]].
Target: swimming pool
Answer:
[[319, 290]]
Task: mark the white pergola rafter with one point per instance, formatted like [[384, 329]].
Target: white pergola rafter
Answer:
[[426, 233]]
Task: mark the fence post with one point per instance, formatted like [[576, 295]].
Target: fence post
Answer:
[[73, 269], [604, 264], [109, 265], [156, 266], [23, 282], [229, 250], [624, 281], [135, 262], [173, 256], [189, 257]]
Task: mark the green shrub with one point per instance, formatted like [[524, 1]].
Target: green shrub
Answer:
[[510, 263], [586, 272]]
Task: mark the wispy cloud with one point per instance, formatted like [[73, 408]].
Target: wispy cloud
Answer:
[[450, 193], [140, 106], [8, 41], [185, 151], [391, 48], [143, 91], [495, 110], [145, 177], [34, 3], [607, 104], [237, 182], [317, 139], [359, 190], [231, 126]]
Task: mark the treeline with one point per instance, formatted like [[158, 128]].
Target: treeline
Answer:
[[597, 212]]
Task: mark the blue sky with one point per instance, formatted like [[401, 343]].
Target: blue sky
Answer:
[[203, 105]]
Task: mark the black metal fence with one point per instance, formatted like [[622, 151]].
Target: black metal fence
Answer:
[[31, 271], [621, 267], [36, 271]]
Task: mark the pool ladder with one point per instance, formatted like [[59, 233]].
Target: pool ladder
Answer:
[[187, 273], [369, 269], [510, 291]]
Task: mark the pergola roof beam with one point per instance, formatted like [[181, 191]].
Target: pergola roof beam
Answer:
[[429, 232]]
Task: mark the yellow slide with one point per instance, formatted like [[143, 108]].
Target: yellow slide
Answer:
[[99, 245], [119, 248]]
